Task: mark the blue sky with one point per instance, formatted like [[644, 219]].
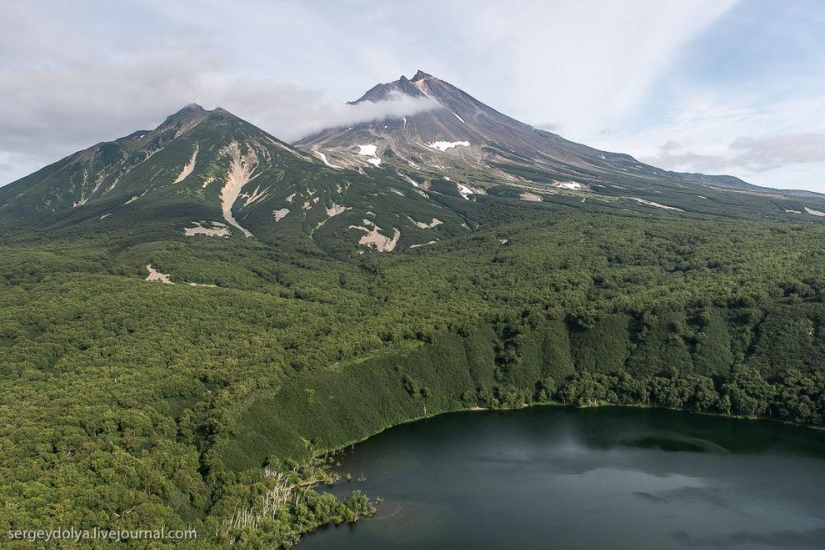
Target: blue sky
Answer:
[[744, 96], [719, 86]]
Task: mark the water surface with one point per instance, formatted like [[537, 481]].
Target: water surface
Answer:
[[596, 478]]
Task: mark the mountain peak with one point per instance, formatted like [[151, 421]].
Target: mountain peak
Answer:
[[192, 115], [420, 75], [193, 108], [462, 137], [411, 87], [382, 92], [189, 116]]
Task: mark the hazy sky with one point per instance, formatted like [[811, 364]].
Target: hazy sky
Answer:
[[718, 86]]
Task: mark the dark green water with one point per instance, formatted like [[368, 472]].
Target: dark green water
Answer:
[[598, 478]]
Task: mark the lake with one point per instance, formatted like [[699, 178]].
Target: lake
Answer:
[[549, 477]]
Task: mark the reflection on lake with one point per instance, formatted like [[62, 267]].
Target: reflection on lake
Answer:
[[595, 478]]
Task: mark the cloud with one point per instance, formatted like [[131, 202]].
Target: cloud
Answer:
[[752, 154], [287, 112], [672, 157], [582, 64], [785, 161], [766, 153], [767, 135], [13, 166], [291, 114], [745, 97], [73, 74], [549, 126]]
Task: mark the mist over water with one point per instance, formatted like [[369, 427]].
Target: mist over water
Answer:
[[602, 478]]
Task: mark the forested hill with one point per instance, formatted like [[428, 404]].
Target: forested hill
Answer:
[[131, 403], [193, 317]]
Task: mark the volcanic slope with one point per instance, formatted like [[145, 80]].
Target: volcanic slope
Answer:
[[479, 150], [208, 174]]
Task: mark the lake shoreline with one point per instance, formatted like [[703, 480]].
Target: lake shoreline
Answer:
[[554, 404], [456, 481]]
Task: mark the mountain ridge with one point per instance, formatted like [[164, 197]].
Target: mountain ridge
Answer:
[[538, 146], [374, 187], [211, 174]]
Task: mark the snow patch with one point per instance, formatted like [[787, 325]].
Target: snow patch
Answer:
[[201, 228], [104, 216], [323, 157], [188, 168], [572, 185], [155, 275], [532, 197], [240, 173], [444, 145], [465, 191], [409, 179], [280, 214], [458, 117], [420, 85], [787, 211], [370, 151]]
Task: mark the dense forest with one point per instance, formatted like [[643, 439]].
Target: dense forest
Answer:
[[135, 404]]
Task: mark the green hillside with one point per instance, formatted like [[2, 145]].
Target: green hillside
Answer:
[[312, 306], [167, 401]]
